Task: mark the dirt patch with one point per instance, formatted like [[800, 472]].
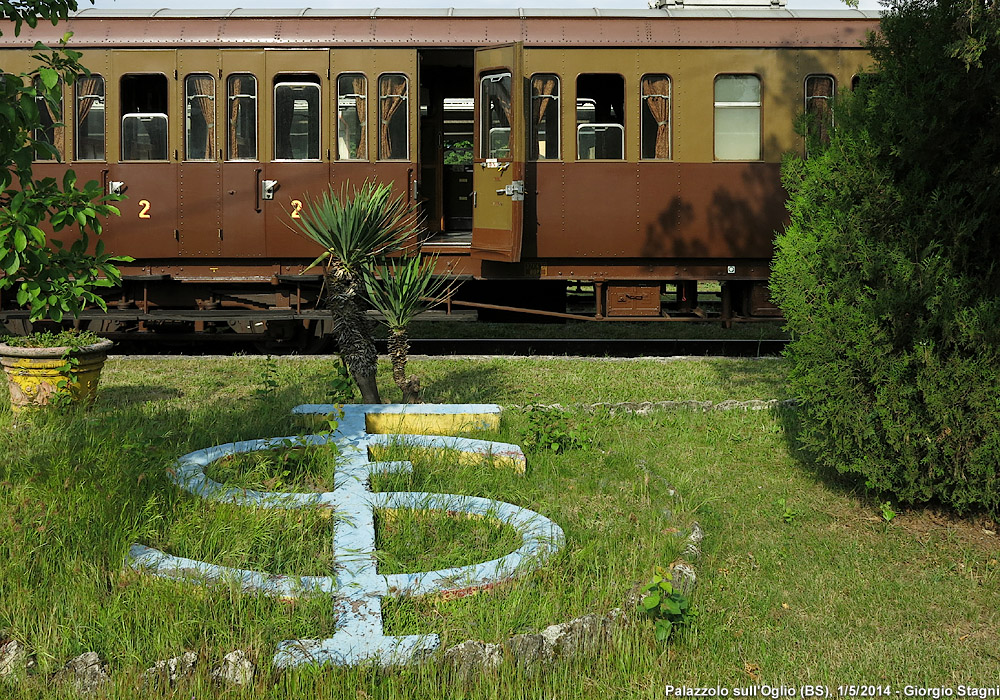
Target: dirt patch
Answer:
[[978, 532]]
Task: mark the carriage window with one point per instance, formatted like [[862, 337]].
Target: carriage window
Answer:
[[48, 116], [544, 116], [737, 117], [90, 118], [199, 117], [352, 117], [495, 115], [819, 93], [655, 120], [394, 125], [296, 118], [241, 136], [144, 117], [855, 82], [600, 116]]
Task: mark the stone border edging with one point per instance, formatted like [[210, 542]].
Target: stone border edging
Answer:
[[581, 634]]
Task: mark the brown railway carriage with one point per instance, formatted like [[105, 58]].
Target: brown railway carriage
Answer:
[[637, 151]]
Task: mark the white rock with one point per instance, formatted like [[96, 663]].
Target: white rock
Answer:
[[471, 657], [85, 671], [236, 669], [170, 670], [13, 658]]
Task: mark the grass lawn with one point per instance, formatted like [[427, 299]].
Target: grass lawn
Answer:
[[801, 581]]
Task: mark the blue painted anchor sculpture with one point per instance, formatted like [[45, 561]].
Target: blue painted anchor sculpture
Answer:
[[357, 588]]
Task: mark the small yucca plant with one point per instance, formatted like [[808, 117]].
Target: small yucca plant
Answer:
[[355, 231], [402, 289]]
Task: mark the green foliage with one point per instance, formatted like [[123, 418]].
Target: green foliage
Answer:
[[550, 429], [22, 12], [356, 229], [458, 152], [887, 272], [787, 513], [400, 288], [52, 280], [666, 607], [341, 388], [269, 380], [68, 338], [887, 511]]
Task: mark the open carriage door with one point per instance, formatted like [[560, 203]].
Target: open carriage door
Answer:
[[500, 149]]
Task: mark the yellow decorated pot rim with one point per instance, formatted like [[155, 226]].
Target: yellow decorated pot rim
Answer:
[[102, 345]]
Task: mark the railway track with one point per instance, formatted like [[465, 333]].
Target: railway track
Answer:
[[577, 347], [596, 347]]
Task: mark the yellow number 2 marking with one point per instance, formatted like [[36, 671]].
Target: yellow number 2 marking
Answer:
[[144, 211], [296, 208]]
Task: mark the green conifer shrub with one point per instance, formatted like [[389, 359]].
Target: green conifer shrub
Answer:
[[889, 271]]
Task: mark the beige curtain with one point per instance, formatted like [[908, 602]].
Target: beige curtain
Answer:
[[655, 90], [235, 88], [819, 90], [360, 87], [541, 91], [391, 91], [89, 87], [204, 86]]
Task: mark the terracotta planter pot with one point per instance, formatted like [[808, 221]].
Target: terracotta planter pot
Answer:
[[37, 376]]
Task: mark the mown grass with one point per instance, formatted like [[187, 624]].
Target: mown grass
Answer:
[[832, 594]]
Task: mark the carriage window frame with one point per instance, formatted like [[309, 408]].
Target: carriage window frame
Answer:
[[728, 108], [99, 99], [648, 122], [191, 102], [811, 101], [141, 117], [300, 82], [362, 118], [584, 128], [553, 110], [236, 115], [385, 127], [489, 147], [49, 132]]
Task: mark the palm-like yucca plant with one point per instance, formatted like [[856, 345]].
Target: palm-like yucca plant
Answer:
[[354, 231], [400, 292]]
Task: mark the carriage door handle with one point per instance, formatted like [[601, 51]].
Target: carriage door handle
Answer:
[[256, 189], [268, 188]]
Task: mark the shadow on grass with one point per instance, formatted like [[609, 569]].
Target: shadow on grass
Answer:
[[848, 485], [769, 374], [131, 394], [463, 382]]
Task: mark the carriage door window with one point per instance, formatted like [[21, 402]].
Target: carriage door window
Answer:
[[737, 117], [655, 119], [352, 117], [495, 115], [296, 118], [819, 93], [241, 136], [394, 124], [48, 117], [199, 117], [90, 118], [600, 116], [144, 117], [544, 116]]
